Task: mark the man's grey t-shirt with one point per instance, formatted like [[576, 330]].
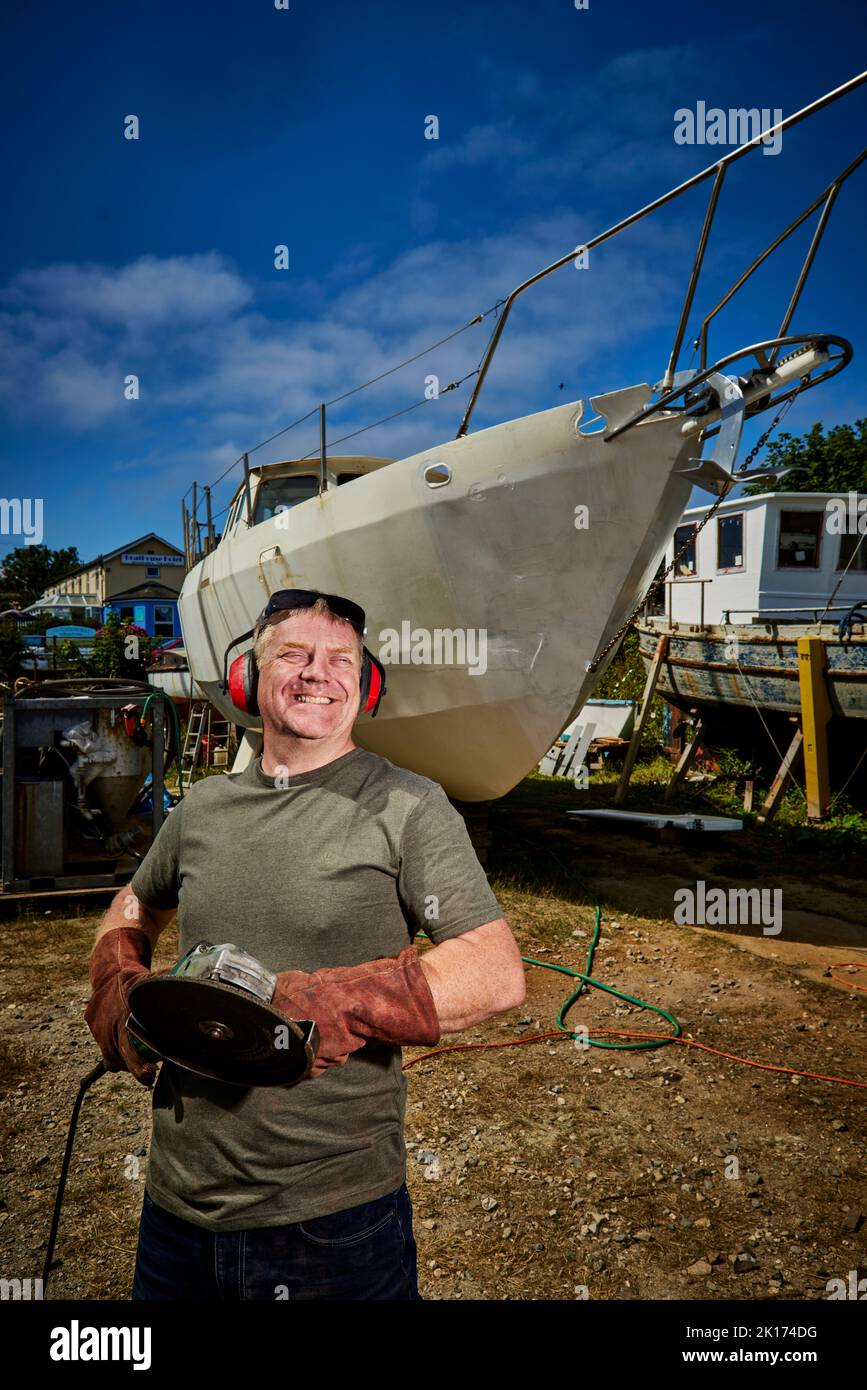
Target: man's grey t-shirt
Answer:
[[336, 866]]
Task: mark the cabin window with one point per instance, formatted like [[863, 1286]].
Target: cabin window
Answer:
[[730, 542], [164, 620], [234, 508], [849, 546], [799, 540], [686, 563], [280, 494], [347, 477]]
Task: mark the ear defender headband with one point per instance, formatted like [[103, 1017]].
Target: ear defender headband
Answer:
[[241, 679]]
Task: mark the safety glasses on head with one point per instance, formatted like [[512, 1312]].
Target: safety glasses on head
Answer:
[[241, 679], [286, 599]]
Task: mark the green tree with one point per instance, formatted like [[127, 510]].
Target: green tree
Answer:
[[832, 462], [28, 570], [11, 649], [119, 649]]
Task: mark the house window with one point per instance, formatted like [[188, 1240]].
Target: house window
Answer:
[[686, 563], [131, 613], [851, 545], [730, 542], [164, 620], [799, 540], [152, 571]]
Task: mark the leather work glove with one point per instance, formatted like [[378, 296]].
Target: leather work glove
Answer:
[[119, 958], [388, 1000]]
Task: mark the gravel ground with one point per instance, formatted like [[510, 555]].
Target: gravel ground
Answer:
[[540, 1171]]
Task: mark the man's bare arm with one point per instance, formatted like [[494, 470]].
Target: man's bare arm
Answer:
[[127, 910], [474, 976]]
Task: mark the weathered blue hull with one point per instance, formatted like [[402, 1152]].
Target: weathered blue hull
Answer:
[[755, 665]]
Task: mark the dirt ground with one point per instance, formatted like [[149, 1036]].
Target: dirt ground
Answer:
[[545, 1170]]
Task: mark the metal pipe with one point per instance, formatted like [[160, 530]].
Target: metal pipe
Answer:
[[210, 518], [805, 268], [778, 241], [813, 357], [323, 476], [693, 279], [673, 193], [804, 608], [247, 489]]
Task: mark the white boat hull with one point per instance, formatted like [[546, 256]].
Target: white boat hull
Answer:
[[177, 685], [496, 549]]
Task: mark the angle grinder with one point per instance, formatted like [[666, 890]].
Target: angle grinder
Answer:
[[211, 1015]]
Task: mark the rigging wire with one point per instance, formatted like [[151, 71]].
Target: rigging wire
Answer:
[[426, 400], [335, 400], [855, 550]]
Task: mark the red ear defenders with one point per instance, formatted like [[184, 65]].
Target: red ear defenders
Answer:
[[243, 683]]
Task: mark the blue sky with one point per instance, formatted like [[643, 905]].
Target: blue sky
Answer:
[[306, 127]]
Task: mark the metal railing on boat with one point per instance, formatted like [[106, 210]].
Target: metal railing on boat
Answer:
[[716, 171], [200, 537]]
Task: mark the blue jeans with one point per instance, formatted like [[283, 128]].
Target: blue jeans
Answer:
[[363, 1252]]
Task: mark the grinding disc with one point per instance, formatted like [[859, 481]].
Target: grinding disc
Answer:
[[219, 1032]]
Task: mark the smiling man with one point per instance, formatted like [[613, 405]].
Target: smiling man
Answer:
[[323, 860]]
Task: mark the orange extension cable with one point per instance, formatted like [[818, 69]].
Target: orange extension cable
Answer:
[[647, 1039]]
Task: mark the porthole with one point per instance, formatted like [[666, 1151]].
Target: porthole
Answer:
[[437, 474]]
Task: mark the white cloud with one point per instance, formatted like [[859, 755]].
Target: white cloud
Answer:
[[217, 375], [600, 130], [492, 143], [144, 294]]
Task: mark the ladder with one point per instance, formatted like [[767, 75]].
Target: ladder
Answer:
[[204, 725]]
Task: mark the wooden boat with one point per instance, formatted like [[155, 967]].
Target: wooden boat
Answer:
[[767, 570], [755, 665]]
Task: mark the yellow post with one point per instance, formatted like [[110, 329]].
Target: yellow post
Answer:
[[815, 713]]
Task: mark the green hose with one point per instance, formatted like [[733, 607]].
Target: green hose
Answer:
[[176, 730], [586, 980]]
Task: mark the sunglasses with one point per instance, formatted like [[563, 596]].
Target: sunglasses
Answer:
[[285, 599]]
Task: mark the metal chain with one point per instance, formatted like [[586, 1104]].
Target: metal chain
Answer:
[[657, 583]]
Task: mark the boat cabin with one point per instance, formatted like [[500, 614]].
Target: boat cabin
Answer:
[[276, 487], [777, 556]]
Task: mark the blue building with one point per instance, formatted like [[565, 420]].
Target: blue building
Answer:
[[140, 581]]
